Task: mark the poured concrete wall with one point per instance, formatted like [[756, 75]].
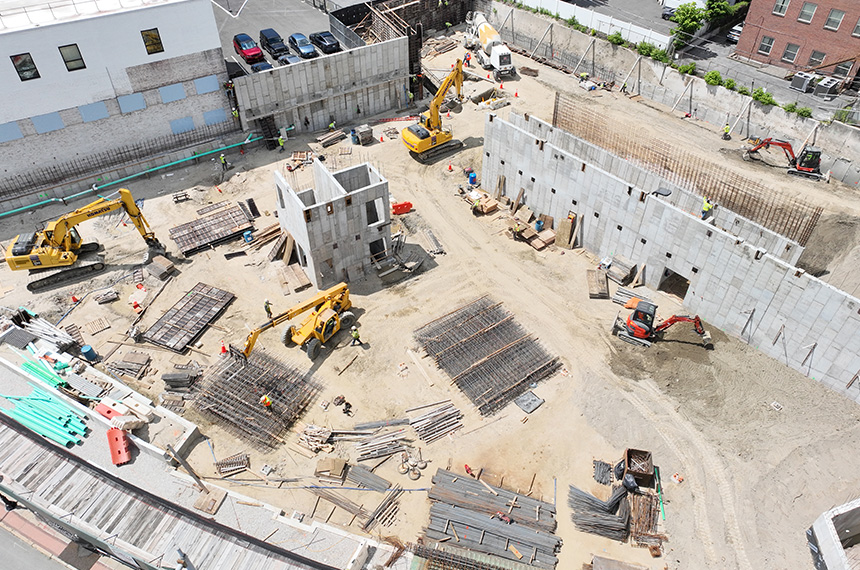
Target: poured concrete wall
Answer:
[[344, 86], [741, 275], [337, 223]]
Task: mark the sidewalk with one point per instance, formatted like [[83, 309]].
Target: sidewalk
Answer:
[[24, 525]]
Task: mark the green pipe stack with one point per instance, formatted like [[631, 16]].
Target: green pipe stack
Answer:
[[42, 373], [47, 416]]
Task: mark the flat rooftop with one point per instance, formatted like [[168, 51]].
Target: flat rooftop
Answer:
[[22, 14]]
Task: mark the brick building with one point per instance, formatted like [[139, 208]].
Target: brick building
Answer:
[[801, 34]]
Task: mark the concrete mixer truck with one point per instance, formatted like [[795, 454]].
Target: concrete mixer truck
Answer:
[[491, 51]]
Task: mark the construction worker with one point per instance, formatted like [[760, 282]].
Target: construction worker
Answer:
[[726, 130], [356, 337], [583, 77], [411, 96], [235, 113], [281, 141], [266, 401], [518, 231], [467, 59], [268, 307], [331, 126], [624, 87], [223, 160], [707, 207]]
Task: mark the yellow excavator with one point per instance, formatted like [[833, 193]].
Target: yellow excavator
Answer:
[[428, 138], [59, 244], [330, 314]]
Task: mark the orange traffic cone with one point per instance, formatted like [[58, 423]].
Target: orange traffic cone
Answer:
[[501, 85], [75, 299], [381, 139], [488, 76], [448, 115], [219, 190], [450, 167], [223, 348], [516, 93]]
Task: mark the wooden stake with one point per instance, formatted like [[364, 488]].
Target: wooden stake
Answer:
[[490, 489]]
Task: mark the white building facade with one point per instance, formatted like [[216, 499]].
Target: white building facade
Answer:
[[83, 79]]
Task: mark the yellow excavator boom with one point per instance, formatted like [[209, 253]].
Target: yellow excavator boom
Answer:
[[427, 137]]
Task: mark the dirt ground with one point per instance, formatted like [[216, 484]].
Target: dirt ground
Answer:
[[762, 448]]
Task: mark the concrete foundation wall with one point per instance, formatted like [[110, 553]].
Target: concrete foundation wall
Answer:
[[344, 87], [839, 142], [331, 227], [736, 282]]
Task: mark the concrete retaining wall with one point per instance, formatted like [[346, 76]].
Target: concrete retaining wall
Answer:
[[839, 142], [344, 87], [741, 277]]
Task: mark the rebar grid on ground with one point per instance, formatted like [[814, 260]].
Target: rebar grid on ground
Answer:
[[441, 560], [490, 357], [789, 217], [231, 396]]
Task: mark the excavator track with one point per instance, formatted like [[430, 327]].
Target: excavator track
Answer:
[[436, 151], [70, 274]]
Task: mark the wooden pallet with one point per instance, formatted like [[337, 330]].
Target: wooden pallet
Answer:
[[98, 325]]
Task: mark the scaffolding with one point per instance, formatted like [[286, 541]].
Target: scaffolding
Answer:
[[231, 396], [789, 217], [488, 355]]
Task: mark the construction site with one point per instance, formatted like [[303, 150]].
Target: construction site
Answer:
[[525, 344]]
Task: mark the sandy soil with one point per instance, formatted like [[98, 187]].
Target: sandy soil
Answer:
[[755, 477]]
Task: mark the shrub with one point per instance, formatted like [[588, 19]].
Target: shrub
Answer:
[[572, 22], [688, 69], [689, 18], [593, 32], [790, 107], [743, 90], [660, 55], [646, 49], [729, 84], [763, 97], [713, 78], [804, 112], [615, 38]]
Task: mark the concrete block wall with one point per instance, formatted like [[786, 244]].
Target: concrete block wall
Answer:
[[331, 227], [345, 86], [735, 283]]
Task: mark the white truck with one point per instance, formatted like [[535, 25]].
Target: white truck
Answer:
[[491, 51]]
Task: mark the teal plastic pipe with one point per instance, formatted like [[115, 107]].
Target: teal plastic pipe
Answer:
[[60, 424], [38, 427], [248, 140]]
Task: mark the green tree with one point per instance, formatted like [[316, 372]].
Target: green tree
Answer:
[[717, 10], [689, 18]]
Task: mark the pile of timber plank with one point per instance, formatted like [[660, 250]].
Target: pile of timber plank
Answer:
[[382, 445], [331, 470], [160, 267], [180, 381], [203, 233], [598, 286], [621, 270], [622, 296], [437, 423], [331, 138], [283, 248], [133, 365], [477, 496], [263, 237], [293, 278], [314, 438], [363, 477]]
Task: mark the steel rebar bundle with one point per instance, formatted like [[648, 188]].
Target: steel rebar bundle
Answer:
[[365, 478], [610, 518], [490, 357], [602, 472], [437, 423], [470, 494], [442, 560], [385, 512], [231, 391]]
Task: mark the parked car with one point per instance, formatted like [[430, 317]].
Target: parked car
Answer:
[[668, 13], [734, 34], [247, 48], [271, 41], [262, 66], [325, 41], [288, 59], [302, 46]]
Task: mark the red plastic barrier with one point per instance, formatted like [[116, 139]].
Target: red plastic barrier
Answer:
[[401, 207], [106, 411], [119, 446]]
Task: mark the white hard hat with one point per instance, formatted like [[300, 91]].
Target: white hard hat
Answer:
[[354, 328], [267, 300]]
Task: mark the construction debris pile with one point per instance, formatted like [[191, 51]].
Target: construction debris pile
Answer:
[[488, 355], [492, 520], [633, 507], [231, 393]]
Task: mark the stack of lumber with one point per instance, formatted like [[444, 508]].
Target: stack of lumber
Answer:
[[283, 248], [262, 237], [437, 423], [315, 438], [621, 270], [293, 279], [160, 267], [132, 365], [179, 381], [598, 286], [331, 138], [382, 445], [623, 296], [488, 205], [468, 493], [331, 470], [538, 240]]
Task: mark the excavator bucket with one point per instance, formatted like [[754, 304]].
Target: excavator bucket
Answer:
[[707, 341]]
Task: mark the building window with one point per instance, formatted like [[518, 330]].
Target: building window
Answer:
[[834, 19], [856, 31], [780, 7], [807, 12], [152, 41], [72, 57], [816, 58], [25, 67], [766, 45], [843, 69], [790, 53]]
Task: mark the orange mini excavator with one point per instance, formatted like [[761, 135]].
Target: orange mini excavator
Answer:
[[641, 327]]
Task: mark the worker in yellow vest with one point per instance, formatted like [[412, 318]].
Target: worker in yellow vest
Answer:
[[266, 401]]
